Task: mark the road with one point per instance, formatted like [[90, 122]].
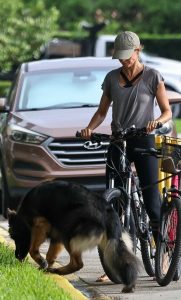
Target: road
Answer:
[[84, 280]]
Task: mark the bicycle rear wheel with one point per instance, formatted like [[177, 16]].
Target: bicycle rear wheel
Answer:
[[147, 243], [144, 231], [169, 242]]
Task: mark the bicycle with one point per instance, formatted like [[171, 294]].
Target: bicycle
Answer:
[[169, 241], [168, 246], [127, 199]]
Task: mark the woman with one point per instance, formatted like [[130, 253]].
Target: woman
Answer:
[[132, 90]]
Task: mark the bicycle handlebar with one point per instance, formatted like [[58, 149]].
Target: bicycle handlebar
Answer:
[[122, 134], [100, 137]]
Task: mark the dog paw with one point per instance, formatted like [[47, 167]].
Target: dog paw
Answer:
[[43, 265]]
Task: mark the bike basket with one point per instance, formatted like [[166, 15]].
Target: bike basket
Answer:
[[171, 159]]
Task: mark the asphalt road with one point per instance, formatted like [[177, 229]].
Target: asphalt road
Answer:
[[84, 280]]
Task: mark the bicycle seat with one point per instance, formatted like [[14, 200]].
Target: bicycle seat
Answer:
[[168, 166]]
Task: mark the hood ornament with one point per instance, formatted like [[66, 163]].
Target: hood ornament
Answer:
[[92, 146]]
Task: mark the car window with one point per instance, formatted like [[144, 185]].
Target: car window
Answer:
[[62, 89]]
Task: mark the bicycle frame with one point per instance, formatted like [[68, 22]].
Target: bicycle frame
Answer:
[[129, 189]]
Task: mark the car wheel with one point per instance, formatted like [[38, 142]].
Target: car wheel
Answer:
[[5, 196]]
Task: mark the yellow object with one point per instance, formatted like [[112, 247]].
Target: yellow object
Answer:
[[161, 175]]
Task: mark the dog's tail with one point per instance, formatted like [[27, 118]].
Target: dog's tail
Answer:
[[121, 263]]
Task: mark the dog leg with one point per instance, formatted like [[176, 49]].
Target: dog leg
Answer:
[[53, 252], [39, 233], [74, 265]]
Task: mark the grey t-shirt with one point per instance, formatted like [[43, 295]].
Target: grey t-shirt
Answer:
[[132, 105]]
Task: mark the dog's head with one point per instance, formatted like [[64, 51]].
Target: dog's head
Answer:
[[20, 233]]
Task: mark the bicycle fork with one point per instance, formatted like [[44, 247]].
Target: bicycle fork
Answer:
[[128, 206]]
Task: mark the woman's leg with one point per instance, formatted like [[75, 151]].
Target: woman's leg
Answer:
[[147, 170]]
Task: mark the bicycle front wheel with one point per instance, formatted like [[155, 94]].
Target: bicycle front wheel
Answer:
[[110, 195], [169, 242], [115, 196], [119, 199]]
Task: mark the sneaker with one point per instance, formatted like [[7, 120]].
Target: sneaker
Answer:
[[102, 278]]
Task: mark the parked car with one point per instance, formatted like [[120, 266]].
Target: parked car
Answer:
[[49, 101]]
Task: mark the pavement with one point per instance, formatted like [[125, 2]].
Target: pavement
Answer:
[[83, 286]]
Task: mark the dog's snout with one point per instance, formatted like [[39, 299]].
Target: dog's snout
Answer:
[[17, 254]]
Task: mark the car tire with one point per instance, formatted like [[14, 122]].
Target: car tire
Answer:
[[5, 196]]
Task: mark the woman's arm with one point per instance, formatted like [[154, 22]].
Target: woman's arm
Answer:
[[98, 117], [166, 113]]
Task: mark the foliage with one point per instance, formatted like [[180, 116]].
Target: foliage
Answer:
[[24, 31], [27, 24], [4, 88], [151, 16], [178, 125], [23, 281]]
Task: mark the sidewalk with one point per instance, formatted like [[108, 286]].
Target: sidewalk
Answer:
[[82, 285]]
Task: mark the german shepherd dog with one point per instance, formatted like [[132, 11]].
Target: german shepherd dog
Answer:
[[71, 216]]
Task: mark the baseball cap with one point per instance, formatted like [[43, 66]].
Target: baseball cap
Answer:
[[125, 44]]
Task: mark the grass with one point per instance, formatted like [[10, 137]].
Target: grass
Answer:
[[24, 282], [178, 125]]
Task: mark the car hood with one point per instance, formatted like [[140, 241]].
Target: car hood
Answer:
[[59, 122]]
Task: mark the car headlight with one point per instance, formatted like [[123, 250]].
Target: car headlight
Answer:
[[23, 135]]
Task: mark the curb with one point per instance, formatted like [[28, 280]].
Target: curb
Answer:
[[61, 281]]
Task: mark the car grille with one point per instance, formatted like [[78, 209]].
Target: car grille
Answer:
[[73, 152]]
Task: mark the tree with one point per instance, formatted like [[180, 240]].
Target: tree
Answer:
[[153, 16], [27, 24], [23, 30]]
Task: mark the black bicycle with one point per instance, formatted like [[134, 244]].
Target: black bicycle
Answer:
[[127, 199]]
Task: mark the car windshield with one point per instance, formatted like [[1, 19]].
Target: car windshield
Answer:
[[61, 89]]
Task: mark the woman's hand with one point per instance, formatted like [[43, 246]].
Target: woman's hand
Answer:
[[86, 133], [152, 125]]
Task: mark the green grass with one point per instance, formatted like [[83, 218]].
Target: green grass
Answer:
[[178, 125], [22, 281]]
